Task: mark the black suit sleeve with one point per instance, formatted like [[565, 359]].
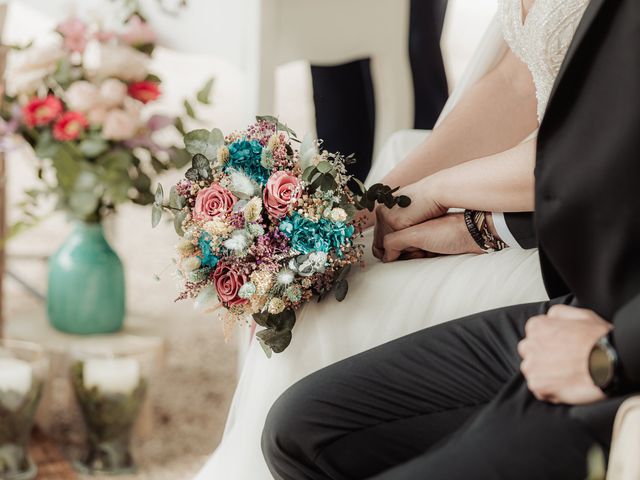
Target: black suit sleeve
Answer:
[[521, 226], [626, 334]]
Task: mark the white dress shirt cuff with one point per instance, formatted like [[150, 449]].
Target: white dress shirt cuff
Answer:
[[503, 231]]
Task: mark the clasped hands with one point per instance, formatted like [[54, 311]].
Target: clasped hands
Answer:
[[555, 350], [421, 230]]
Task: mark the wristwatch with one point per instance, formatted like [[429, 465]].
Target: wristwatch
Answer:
[[603, 365]]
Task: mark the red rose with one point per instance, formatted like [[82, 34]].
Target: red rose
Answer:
[[214, 201], [69, 126], [145, 91], [41, 111], [281, 191], [228, 283]]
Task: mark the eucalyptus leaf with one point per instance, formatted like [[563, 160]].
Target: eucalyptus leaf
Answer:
[[173, 197], [156, 215], [93, 147], [204, 94], [178, 220], [360, 185], [200, 168], [83, 203], [191, 113], [341, 290], [404, 201], [142, 182], [276, 340], [159, 195], [309, 173], [324, 167], [157, 165], [179, 157], [204, 142], [179, 124], [46, 146]]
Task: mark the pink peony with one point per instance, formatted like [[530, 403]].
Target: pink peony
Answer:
[[282, 190], [74, 32], [228, 283], [69, 126], [119, 125], [41, 111], [214, 201], [137, 32]]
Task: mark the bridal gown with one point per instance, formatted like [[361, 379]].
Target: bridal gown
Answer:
[[387, 301]]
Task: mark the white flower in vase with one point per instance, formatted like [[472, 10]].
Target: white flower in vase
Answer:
[[27, 68]]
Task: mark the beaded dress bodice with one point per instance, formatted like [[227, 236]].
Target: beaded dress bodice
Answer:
[[541, 38]]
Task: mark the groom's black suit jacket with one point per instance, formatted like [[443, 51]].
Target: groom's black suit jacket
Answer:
[[588, 175]]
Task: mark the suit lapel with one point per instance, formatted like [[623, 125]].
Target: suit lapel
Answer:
[[588, 18]]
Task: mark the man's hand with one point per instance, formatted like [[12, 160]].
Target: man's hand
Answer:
[[446, 235], [424, 206], [555, 355]]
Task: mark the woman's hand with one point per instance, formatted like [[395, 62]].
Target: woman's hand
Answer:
[[446, 235], [424, 206]]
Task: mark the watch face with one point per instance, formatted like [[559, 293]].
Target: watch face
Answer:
[[600, 367]]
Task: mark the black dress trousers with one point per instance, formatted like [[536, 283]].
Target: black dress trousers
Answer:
[[344, 94], [445, 403]]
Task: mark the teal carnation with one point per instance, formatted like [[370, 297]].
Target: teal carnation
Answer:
[[307, 236], [207, 258], [246, 156]]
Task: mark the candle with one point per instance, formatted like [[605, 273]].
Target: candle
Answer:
[[112, 375], [15, 376]]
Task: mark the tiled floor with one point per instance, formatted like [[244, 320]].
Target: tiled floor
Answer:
[[200, 366]]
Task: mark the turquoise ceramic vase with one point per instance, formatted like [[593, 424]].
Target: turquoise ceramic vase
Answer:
[[86, 284]]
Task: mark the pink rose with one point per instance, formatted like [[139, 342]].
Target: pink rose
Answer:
[[281, 191], [214, 201], [228, 283], [74, 32], [138, 32]]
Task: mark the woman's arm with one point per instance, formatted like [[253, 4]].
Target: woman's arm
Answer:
[[496, 114], [499, 183]]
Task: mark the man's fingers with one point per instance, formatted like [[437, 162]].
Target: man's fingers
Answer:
[[398, 242]]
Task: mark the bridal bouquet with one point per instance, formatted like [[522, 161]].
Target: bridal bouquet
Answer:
[[266, 226], [80, 99]]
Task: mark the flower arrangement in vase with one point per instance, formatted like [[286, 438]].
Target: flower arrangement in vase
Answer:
[[81, 101]]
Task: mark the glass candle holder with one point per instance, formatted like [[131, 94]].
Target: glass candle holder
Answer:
[[110, 388], [23, 370]]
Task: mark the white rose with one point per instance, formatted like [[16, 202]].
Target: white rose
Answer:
[[27, 68], [338, 215], [81, 96], [117, 61], [112, 92], [119, 125], [97, 115]]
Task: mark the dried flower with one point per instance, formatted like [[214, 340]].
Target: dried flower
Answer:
[[276, 306]]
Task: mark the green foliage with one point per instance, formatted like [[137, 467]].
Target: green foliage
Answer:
[[276, 336], [188, 108], [382, 194], [204, 94], [204, 142]]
